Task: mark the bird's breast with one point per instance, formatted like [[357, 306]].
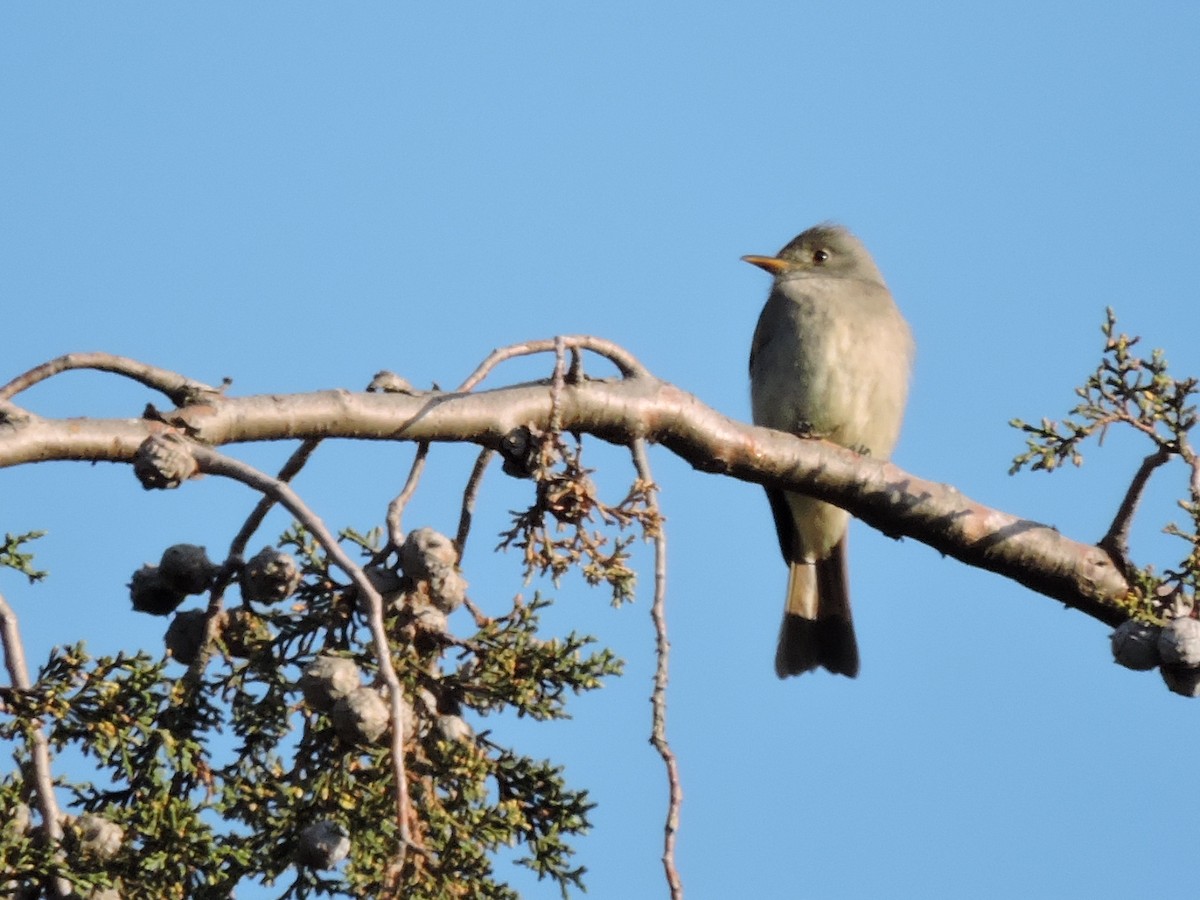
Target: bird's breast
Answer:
[[835, 360]]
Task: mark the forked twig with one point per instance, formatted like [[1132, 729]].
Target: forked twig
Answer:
[[662, 646]]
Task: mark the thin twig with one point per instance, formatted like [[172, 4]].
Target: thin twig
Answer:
[[658, 699], [214, 463], [625, 362], [1116, 541], [470, 493], [178, 388], [290, 470], [39, 750], [395, 510]]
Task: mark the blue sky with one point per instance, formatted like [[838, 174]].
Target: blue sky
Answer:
[[298, 195]]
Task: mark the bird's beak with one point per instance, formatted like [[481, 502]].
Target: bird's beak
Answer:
[[772, 264]]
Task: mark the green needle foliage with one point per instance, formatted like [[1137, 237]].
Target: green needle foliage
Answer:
[[210, 775], [1125, 389], [13, 557], [1129, 390]]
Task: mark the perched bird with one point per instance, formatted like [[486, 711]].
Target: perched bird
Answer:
[[830, 359]]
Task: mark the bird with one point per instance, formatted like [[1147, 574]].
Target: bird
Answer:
[[830, 359]]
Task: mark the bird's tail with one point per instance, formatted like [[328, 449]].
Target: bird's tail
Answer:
[[817, 627]]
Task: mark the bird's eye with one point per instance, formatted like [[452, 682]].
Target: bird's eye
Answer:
[[820, 256]]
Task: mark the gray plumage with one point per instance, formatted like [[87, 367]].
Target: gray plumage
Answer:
[[830, 358]]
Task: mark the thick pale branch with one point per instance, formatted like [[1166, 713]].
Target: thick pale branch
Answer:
[[622, 411]]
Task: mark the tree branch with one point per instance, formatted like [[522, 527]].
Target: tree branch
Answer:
[[622, 411]]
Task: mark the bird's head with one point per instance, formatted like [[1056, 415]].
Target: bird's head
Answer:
[[824, 251]]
